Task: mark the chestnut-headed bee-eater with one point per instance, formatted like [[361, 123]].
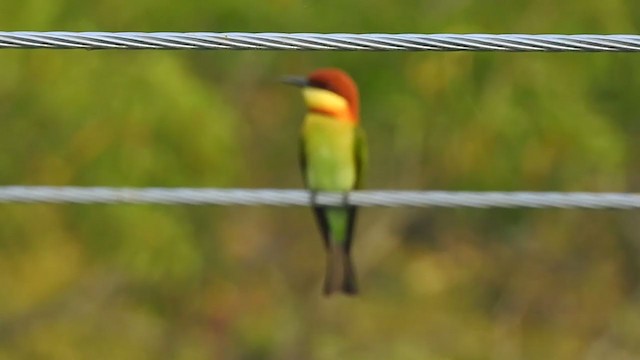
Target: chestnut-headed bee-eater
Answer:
[[332, 157]]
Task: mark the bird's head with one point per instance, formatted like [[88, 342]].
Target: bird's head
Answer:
[[331, 92]]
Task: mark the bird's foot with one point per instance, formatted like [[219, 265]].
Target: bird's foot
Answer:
[[345, 199], [313, 197]]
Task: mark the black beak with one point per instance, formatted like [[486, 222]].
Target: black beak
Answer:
[[295, 80]]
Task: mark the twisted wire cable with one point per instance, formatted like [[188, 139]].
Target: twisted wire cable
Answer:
[[276, 197], [315, 41]]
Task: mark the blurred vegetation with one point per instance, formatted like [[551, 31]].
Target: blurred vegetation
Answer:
[[180, 282]]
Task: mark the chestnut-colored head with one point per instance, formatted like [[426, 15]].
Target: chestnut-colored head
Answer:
[[330, 91]]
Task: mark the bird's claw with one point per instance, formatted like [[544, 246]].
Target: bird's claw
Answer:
[[313, 197], [345, 199]]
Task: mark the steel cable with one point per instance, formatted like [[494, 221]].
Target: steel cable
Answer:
[[315, 41], [276, 197]]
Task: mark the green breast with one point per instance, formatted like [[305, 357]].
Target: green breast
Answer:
[[329, 149]]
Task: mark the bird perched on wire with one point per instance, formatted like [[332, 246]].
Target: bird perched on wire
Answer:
[[332, 157]]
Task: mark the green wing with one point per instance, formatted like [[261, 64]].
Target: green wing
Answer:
[[302, 160], [361, 154]]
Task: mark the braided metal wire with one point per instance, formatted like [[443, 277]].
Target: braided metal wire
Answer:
[[314, 41], [206, 196]]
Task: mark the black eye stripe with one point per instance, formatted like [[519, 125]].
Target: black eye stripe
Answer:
[[319, 85]]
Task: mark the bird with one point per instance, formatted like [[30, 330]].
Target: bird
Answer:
[[333, 155]]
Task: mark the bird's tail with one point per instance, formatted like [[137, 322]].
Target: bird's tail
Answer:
[[336, 225], [340, 276]]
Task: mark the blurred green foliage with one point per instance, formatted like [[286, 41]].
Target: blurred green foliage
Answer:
[[179, 282]]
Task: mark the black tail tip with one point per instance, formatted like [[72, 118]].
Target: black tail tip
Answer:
[[348, 289]]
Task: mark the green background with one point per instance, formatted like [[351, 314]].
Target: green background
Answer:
[[182, 282]]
